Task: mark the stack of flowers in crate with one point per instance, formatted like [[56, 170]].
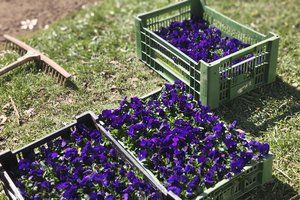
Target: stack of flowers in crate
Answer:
[[186, 146], [85, 166], [200, 41]]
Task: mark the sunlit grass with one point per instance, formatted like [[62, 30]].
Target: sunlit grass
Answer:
[[97, 46]]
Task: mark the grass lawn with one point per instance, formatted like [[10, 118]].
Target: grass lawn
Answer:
[[97, 46]]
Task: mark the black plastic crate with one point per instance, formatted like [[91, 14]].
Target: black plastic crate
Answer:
[[9, 159]]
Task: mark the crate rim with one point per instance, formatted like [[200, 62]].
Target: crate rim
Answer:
[[34, 144], [145, 14], [234, 21]]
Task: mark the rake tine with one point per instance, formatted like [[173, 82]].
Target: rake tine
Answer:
[[47, 69], [14, 47], [20, 51], [6, 45], [58, 79], [63, 80], [9, 45]]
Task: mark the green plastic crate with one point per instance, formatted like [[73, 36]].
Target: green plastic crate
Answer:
[[207, 81]]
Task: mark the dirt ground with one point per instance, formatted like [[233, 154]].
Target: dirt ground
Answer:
[[12, 12]]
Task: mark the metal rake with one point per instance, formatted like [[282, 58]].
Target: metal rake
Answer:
[[29, 54]]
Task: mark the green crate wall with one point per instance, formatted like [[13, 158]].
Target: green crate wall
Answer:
[[252, 177], [207, 81]]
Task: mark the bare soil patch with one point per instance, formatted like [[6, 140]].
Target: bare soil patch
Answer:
[[12, 12]]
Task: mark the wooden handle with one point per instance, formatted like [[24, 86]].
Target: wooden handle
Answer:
[[20, 61]]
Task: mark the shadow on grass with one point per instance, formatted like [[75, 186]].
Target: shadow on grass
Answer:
[[71, 85], [263, 107], [274, 190]]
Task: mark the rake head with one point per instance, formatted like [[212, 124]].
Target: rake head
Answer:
[[29, 54]]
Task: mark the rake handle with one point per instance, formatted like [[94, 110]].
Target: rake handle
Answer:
[[17, 63]]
